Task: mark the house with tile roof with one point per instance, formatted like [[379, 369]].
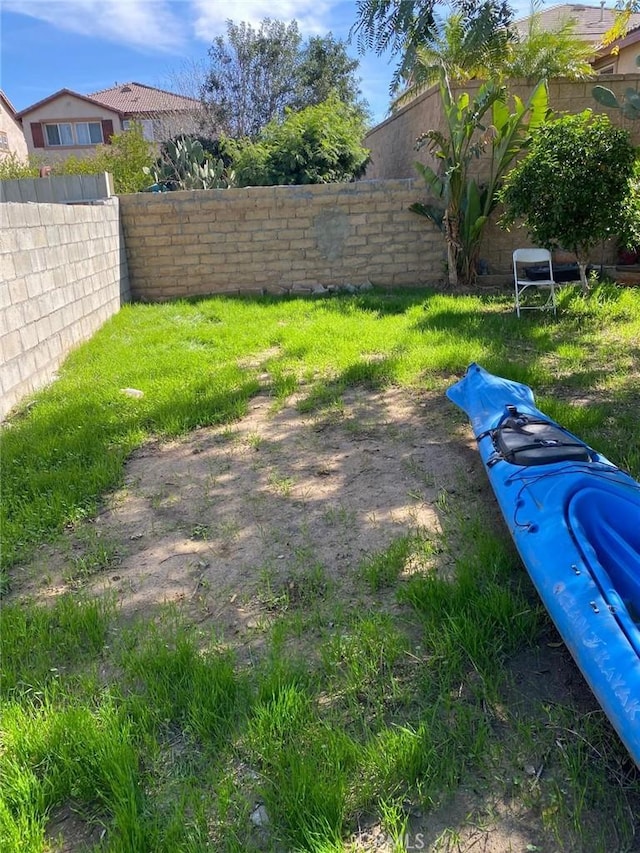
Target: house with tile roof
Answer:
[[12, 139], [591, 22], [68, 123]]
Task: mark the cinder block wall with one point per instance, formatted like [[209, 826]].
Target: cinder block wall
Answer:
[[63, 272], [392, 142], [393, 153], [278, 239]]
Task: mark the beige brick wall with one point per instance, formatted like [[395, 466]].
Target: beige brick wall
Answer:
[[393, 154], [392, 143], [62, 274], [278, 239]]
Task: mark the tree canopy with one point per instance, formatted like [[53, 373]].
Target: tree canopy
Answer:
[[570, 189], [256, 74]]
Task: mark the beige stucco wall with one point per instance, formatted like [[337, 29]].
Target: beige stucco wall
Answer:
[[66, 108], [392, 143], [63, 273], [278, 239], [13, 129], [627, 60]]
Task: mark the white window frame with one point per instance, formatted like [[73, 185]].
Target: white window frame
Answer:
[[4, 140], [148, 131], [74, 133]]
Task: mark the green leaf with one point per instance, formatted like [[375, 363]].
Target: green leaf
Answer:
[[435, 214], [605, 97]]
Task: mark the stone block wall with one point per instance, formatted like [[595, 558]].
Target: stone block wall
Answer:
[[278, 239], [63, 273], [393, 153], [392, 142]]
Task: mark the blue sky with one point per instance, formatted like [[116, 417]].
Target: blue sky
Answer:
[[87, 45]]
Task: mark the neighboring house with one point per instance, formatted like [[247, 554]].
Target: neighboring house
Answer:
[[68, 123], [591, 25], [162, 114], [12, 139], [621, 56]]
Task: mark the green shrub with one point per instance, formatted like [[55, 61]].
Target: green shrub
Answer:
[[318, 145]]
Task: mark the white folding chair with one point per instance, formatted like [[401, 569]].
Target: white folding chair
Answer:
[[541, 258]]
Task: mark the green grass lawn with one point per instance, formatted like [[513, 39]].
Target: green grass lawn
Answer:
[[92, 707]]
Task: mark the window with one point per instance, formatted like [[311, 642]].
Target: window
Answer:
[[147, 127], [4, 140], [79, 133], [59, 134], [89, 133], [609, 69]]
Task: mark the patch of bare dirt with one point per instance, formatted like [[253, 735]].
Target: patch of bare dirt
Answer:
[[214, 519]]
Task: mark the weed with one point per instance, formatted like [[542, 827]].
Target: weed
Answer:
[[200, 532], [384, 568], [281, 485], [100, 556]]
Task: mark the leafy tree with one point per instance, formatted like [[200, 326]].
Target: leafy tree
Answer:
[[485, 45], [325, 69], [12, 167], [461, 48], [250, 76], [570, 189], [629, 232], [464, 202], [126, 158], [320, 144], [543, 54], [256, 74]]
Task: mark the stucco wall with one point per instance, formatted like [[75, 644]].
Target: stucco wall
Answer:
[[64, 109], [392, 143], [627, 62], [62, 274], [278, 239], [15, 136]]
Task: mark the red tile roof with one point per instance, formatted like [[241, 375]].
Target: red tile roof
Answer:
[[136, 98]]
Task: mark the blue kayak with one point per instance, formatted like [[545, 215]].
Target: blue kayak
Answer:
[[575, 519]]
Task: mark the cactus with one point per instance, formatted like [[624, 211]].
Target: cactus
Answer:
[[629, 105], [186, 166]]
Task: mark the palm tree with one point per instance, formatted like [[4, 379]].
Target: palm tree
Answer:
[[402, 27], [541, 54], [486, 46], [462, 48]]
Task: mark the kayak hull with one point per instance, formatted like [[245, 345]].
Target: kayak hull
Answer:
[[576, 525]]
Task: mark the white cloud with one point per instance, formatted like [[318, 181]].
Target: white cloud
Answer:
[[313, 16], [149, 24]]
